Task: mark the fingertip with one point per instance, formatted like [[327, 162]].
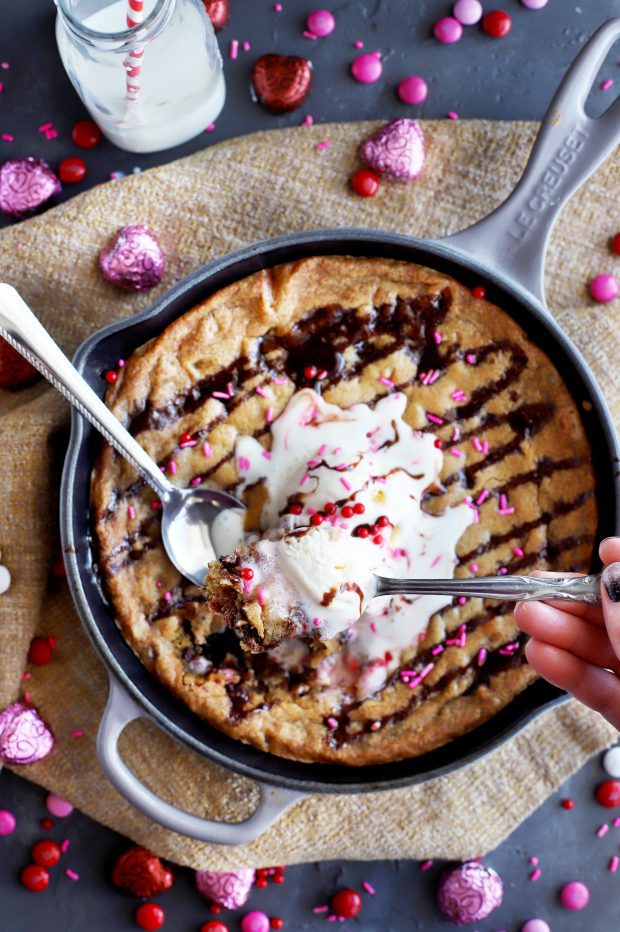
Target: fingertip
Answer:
[[609, 550]]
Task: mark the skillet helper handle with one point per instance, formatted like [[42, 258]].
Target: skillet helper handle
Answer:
[[25, 333], [119, 712], [569, 147]]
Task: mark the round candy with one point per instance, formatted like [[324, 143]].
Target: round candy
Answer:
[[139, 872], [218, 12], [611, 761], [230, 889], [57, 806], [40, 652], [213, 925], [281, 83], [24, 736], [346, 903], [396, 149], [46, 853], [133, 259], [72, 170], [321, 23], [574, 895], [26, 184], [150, 916], [496, 24], [608, 793], [467, 12], [7, 822], [535, 925], [367, 68], [447, 30], [34, 878], [604, 288], [366, 184], [469, 892], [255, 922], [615, 244], [413, 89], [277, 923], [534, 4], [86, 134], [568, 803], [5, 580]]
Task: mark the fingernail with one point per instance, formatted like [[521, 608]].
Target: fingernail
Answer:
[[611, 580], [605, 539]]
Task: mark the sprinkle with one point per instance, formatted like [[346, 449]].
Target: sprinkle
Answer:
[[506, 511], [437, 337], [27, 698], [535, 874], [368, 887], [613, 864], [304, 479], [456, 453], [131, 512], [156, 506], [246, 46], [189, 443], [64, 845], [452, 115], [425, 865], [476, 444], [602, 830], [316, 622], [459, 395], [607, 84], [261, 595], [385, 381], [196, 480], [308, 120], [77, 733], [438, 649], [471, 359], [456, 434], [433, 418], [482, 497], [243, 463], [207, 450], [462, 600], [159, 584], [332, 918], [234, 49], [308, 35], [616, 822], [269, 415], [172, 466], [534, 860], [5, 65], [120, 363], [72, 874], [325, 144], [220, 395], [345, 483], [26, 676], [503, 502], [261, 391], [168, 596], [280, 381], [375, 727], [358, 44], [502, 571], [7, 137], [277, 7], [517, 552], [474, 567], [332, 722], [320, 909], [230, 390]]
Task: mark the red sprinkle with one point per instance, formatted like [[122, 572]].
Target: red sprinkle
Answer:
[[438, 443], [496, 24], [72, 170], [479, 292], [150, 916], [377, 540], [608, 793], [363, 531], [34, 878], [295, 509], [247, 572], [568, 804], [111, 376], [348, 511], [365, 183], [310, 372], [382, 521], [316, 519], [46, 853], [329, 509]]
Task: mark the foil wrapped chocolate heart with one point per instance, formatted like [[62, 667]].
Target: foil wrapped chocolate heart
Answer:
[[25, 185], [139, 872], [230, 889], [133, 259], [219, 13], [24, 736], [397, 149], [281, 82], [469, 892], [15, 371]]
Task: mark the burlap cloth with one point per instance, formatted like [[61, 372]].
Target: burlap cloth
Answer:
[[202, 207]]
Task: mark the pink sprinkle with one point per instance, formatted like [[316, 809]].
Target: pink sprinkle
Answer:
[[172, 466], [220, 395], [452, 115], [458, 395], [120, 363], [322, 449], [456, 453], [425, 865], [159, 584], [196, 480], [462, 600], [437, 337], [246, 46], [476, 444], [7, 137], [243, 463], [332, 918], [64, 845], [308, 120], [131, 512], [266, 454], [168, 596], [44, 127], [358, 44], [613, 864], [602, 830], [485, 447], [506, 511], [385, 381], [261, 391], [280, 381], [27, 698], [230, 390], [325, 144], [316, 622], [503, 501], [308, 35], [482, 497], [438, 649], [368, 887], [474, 567], [616, 822], [534, 860], [375, 727], [247, 587], [1, 87], [482, 656], [517, 552], [261, 595], [207, 450], [320, 909], [234, 49], [337, 450], [190, 443], [304, 479], [77, 733], [269, 415], [502, 571], [471, 359], [373, 627], [433, 418], [210, 128], [535, 874], [435, 560], [456, 434], [72, 874], [345, 483], [5, 65], [607, 84], [277, 7], [332, 722], [26, 675]]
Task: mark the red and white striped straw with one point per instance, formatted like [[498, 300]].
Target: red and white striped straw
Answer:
[[133, 62]]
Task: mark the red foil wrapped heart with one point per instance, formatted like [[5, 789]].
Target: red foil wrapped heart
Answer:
[[26, 184], [133, 259], [219, 13], [139, 872], [24, 736], [281, 82], [15, 371], [230, 889]]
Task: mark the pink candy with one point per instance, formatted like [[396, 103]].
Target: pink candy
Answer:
[[7, 822], [133, 259], [447, 30], [57, 806], [230, 889], [397, 149], [24, 736], [321, 23], [469, 892], [604, 288], [255, 921], [412, 89], [574, 895], [367, 68], [534, 4], [535, 925], [467, 12]]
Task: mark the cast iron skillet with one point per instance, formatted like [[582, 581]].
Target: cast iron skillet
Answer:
[[505, 250]]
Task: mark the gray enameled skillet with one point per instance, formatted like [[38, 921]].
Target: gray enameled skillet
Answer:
[[506, 251]]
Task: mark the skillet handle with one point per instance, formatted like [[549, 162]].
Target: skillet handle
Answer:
[[119, 712], [569, 147]]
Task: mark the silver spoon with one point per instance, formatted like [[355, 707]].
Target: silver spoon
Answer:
[[188, 514], [506, 588]]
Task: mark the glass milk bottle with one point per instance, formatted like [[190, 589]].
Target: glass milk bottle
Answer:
[[148, 71]]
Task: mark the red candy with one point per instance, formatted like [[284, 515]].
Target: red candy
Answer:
[[615, 243], [479, 292], [150, 916], [72, 170], [316, 519], [139, 872], [568, 804], [365, 183], [46, 853], [34, 878], [347, 903], [213, 925], [608, 793], [15, 371], [218, 11], [496, 24], [281, 82], [86, 134], [111, 376], [276, 923], [40, 652]]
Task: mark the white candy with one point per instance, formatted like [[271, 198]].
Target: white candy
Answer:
[[611, 761], [5, 579]]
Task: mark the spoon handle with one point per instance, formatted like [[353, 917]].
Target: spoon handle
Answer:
[[509, 588], [25, 333]]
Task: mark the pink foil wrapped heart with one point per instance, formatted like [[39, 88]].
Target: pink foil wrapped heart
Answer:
[[397, 149], [25, 185], [24, 736], [133, 259], [230, 889]]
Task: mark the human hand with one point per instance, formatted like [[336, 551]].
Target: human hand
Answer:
[[576, 646]]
